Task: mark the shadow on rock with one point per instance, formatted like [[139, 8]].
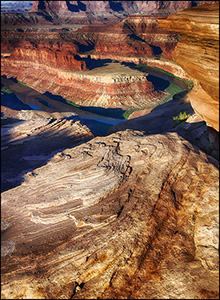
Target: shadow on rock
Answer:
[[160, 121], [30, 144]]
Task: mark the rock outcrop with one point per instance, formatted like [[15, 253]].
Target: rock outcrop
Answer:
[[33, 139], [198, 54], [47, 58], [132, 215], [113, 85], [60, 55], [125, 216], [86, 12]]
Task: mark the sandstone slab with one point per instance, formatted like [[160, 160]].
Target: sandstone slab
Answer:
[[125, 216], [198, 55]]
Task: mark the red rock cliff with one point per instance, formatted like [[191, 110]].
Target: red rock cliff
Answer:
[[96, 12], [56, 54]]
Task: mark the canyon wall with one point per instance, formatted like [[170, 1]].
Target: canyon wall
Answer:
[[114, 85], [48, 60], [54, 54], [87, 12], [198, 54], [132, 215]]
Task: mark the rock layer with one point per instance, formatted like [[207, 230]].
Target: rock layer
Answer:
[[57, 54], [28, 144], [198, 54], [113, 85], [45, 58], [125, 216], [86, 12]]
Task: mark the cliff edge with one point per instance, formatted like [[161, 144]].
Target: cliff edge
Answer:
[[198, 54]]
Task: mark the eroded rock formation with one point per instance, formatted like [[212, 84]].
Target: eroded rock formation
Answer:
[[113, 85], [134, 215], [27, 144], [60, 55], [86, 12], [125, 216], [198, 54], [45, 58]]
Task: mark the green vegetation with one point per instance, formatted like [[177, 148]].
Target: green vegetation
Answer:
[[128, 112], [172, 89], [5, 89], [72, 103], [182, 117], [189, 83], [22, 83]]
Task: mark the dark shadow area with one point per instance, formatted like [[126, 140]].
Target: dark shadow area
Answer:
[[30, 153], [81, 5], [159, 83], [97, 127], [97, 112], [116, 6], [41, 5], [194, 3], [158, 73], [134, 37], [156, 50], [95, 63], [84, 47], [12, 102], [72, 7], [45, 16], [76, 8]]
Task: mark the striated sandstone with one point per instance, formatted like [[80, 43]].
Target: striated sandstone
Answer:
[[87, 12], [113, 85], [32, 139], [56, 54], [198, 55], [160, 121], [125, 216]]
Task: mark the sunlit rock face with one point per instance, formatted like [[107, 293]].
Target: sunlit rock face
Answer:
[[122, 216], [198, 54], [110, 86], [48, 59], [53, 54]]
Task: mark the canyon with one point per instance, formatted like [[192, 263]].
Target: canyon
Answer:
[[42, 54], [93, 205]]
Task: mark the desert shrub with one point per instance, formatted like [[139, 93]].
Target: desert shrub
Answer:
[[23, 83], [5, 89], [182, 117]]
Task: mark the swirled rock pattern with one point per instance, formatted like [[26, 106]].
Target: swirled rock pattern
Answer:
[[122, 216], [32, 140]]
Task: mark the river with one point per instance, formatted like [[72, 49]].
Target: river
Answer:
[[98, 119]]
